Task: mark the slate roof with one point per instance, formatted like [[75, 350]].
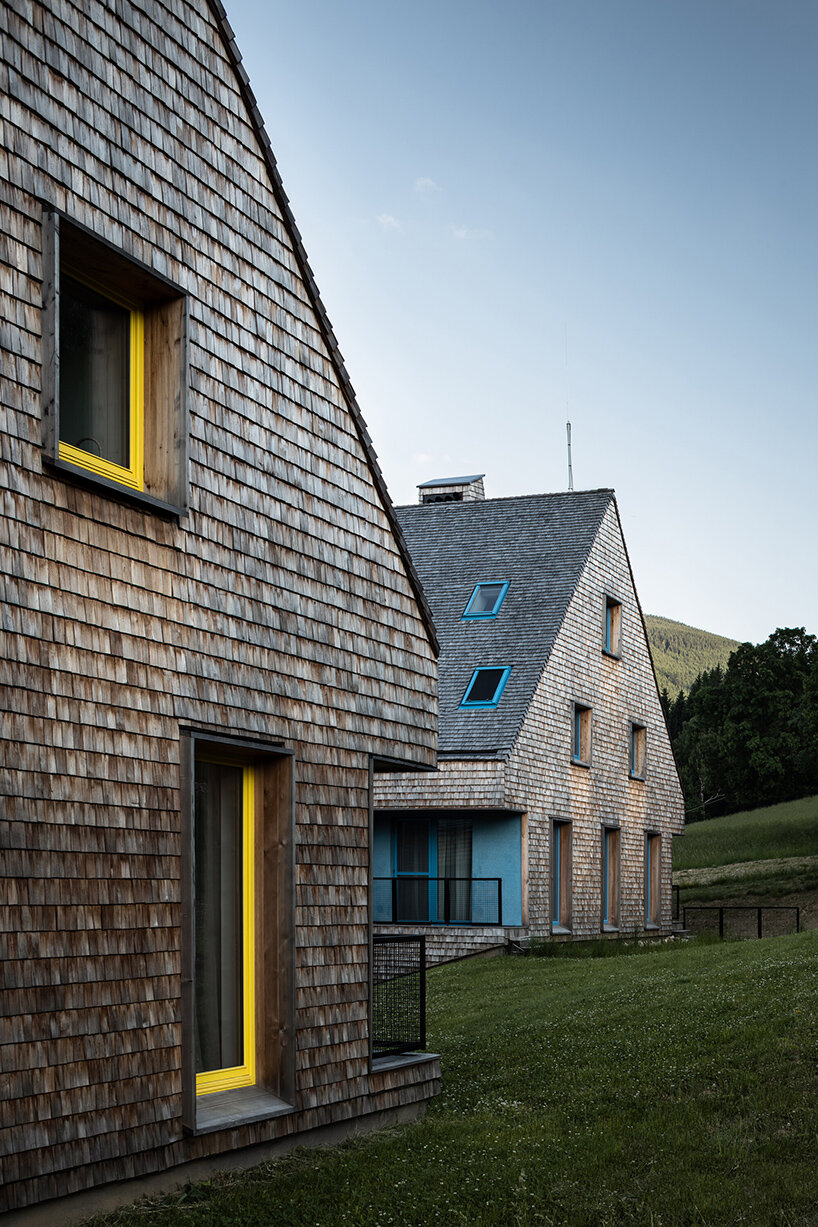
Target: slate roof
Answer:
[[540, 544]]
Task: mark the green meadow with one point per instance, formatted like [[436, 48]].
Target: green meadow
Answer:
[[789, 829], [676, 1086]]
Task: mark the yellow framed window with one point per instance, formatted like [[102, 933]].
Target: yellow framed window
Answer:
[[101, 381], [224, 925]]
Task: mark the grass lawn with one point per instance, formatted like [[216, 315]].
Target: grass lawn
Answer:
[[676, 1086], [789, 829]]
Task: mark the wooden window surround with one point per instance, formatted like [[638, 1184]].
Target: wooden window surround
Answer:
[[653, 853], [238, 916], [561, 877], [610, 878], [638, 752], [581, 735], [114, 370], [612, 628]]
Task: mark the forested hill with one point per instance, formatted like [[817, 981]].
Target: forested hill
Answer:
[[680, 653]]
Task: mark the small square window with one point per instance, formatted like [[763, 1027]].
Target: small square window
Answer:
[[114, 369], [581, 737], [612, 633], [101, 388], [485, 687], [637, 751], [486, 600]]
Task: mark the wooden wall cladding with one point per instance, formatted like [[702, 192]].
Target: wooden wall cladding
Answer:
[[539, 779], [280, 608]]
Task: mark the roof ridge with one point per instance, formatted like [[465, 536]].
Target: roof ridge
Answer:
[[256, 120]]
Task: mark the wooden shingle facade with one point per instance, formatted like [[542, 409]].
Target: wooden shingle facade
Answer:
[[556, 801], [208, 612]]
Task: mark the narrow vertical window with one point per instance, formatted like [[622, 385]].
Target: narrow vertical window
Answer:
[[612, 633], [561, 877], [224, 906], [653, 844], [638, 743], [610, 877], [581, 735]]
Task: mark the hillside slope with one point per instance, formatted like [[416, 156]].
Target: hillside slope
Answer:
[[680, 653]]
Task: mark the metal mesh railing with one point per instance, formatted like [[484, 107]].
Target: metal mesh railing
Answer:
[[398, 994], [417, 899], [744, 920]]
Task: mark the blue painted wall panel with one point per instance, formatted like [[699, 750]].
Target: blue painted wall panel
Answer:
[[496, 853]]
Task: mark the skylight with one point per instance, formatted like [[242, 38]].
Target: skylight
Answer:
[[486, 600], [485, 687]]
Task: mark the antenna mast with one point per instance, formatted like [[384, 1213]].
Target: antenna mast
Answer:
[[567, 414], [570, 469]]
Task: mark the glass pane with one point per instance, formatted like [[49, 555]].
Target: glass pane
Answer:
[[218, 916], [454, 871], [95, 346], [413, 847], [485, 598], [484, 686], [412, 900]]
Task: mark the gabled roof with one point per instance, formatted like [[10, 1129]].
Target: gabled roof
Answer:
[[257, 121], [540, 544]]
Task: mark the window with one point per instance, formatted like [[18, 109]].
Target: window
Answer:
[[433, 871], [238, 981], [653, 844], [224, 932], [561, 877], [637, 751], [612, 633], [485, 687], [114, 369], [101, 381], [486, 600], [610, 877], [581, 737]]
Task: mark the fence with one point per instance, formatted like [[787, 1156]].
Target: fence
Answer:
[[740, 930], [398, 995], [416, 899]]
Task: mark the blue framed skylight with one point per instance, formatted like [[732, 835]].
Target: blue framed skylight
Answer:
[[486, 686], [486, 599]]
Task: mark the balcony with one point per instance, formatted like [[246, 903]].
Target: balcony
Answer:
[[416, 899]]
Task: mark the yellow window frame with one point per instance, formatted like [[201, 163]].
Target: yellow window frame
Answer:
[[134, 475], [213, 1080]]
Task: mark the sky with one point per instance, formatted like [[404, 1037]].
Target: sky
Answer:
[[520, 211]]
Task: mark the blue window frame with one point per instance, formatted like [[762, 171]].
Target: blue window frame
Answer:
[[637, 755], [486, 600], [581, 735], [486, 686], [612, 642]]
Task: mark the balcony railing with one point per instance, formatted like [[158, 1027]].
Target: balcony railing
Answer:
[[398, 995], [415, 899]]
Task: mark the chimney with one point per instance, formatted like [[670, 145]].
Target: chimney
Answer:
[[453, 490]]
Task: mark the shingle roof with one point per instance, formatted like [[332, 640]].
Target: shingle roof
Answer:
[[538, 543]]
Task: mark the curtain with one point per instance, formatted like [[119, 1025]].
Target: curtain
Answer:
[[454, 867]]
